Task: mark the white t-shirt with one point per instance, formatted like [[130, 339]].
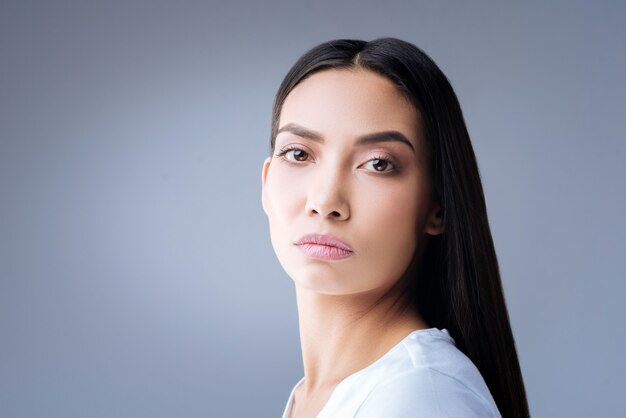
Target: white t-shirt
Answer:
[[424, 375]]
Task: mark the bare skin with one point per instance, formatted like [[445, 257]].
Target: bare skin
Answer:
[[333, 347], [376, 197]]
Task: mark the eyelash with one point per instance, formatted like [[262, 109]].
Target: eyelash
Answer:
[[380, 157], [283, 151]]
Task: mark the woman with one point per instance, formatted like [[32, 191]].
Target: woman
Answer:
[[377, 213]]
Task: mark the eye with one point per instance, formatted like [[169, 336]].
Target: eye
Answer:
[[381, 165], [294, 154], [298, 154]]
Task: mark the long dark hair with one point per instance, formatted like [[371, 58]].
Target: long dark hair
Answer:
[[458, 283]]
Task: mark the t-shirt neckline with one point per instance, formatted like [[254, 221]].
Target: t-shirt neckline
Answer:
[[342, 383]]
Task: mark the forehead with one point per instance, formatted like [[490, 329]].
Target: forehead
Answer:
[[350, 102]]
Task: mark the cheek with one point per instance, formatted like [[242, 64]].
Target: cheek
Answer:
[[391, 220], [393, 209], [284, 197]]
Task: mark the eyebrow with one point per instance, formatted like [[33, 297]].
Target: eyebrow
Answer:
[[373, 138]]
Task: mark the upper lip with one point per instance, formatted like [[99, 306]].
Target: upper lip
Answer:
[[324, 239]]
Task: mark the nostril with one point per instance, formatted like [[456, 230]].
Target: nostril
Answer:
[[335, 214]]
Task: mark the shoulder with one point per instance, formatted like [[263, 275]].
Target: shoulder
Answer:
[[440, 382], [425, 393]]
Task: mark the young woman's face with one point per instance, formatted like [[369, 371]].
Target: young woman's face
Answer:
[[349, 164]]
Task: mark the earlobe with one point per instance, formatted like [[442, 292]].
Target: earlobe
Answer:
[[434, 225], [266, 166]]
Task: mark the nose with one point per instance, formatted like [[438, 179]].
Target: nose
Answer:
[[327, 196]]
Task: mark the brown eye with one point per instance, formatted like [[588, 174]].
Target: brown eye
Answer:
[[379, 165], [295, 154]]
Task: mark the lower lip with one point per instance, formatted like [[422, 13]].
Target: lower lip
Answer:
[[324, 252]]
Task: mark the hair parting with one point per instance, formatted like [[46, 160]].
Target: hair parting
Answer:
[[456, 284]]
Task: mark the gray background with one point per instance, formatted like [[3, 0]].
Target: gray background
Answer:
[[137, 277]]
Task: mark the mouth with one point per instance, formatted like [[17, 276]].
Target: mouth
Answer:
[[324, 247]]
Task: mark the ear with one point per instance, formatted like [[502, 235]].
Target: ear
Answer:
[[266, 166], [434, 223]]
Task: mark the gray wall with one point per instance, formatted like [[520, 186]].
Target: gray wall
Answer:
[[137, 277]]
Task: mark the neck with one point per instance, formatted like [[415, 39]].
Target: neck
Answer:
[[341, 334]]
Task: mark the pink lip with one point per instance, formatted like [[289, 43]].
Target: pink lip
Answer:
[[325, 247]]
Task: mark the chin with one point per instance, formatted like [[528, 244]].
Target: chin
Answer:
[[320, 283], [328, 284]]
